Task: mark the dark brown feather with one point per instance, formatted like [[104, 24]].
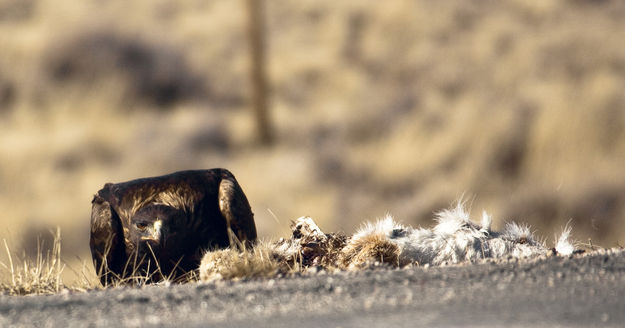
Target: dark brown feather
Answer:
[[193, 208], [107, 241]]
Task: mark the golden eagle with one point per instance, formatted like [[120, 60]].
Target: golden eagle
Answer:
[[159, 227]]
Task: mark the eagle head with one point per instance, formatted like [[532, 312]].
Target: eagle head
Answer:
[[150, 230]]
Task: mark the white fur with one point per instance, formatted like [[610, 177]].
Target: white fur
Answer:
[[384, 226], [563, 244], [487, 220], [456, 239], [451, 220]]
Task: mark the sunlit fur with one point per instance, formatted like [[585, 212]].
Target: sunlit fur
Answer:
[[563, 245], [370, 249], [455, 239]]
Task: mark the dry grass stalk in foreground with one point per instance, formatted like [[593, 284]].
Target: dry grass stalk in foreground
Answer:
[[141, 271], [143, 278], [257, 262], [242, 261], [41, 276]]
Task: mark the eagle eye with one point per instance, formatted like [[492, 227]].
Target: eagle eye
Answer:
[[141, 225]]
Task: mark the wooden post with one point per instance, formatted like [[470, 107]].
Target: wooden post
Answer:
[[260, 98]]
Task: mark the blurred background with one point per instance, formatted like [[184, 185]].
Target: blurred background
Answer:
[[373, 107]]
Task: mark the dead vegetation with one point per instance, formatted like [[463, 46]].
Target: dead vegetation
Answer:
[[396, 105], [157, 74], [257, 262], [41, 275]]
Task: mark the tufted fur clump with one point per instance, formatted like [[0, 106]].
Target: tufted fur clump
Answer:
[[454, 239], [369, 250], [457, 239]]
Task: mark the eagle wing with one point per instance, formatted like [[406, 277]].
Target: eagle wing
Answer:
[[237, 211], [107, 240]]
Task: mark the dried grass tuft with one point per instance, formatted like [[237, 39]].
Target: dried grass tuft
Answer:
[[39, 277], [232, 263], [141, 271]]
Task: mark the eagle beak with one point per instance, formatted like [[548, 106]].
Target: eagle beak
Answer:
[[158, 225], [155, 233]]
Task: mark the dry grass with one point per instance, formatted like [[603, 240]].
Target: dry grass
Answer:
[[38, 277], [398, 106], [232, 263], [43, 275], [138, 279]]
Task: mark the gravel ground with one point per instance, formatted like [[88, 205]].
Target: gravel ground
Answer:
[[583, 291]]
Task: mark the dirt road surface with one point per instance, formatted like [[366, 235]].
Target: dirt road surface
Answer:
[[582, 291]]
